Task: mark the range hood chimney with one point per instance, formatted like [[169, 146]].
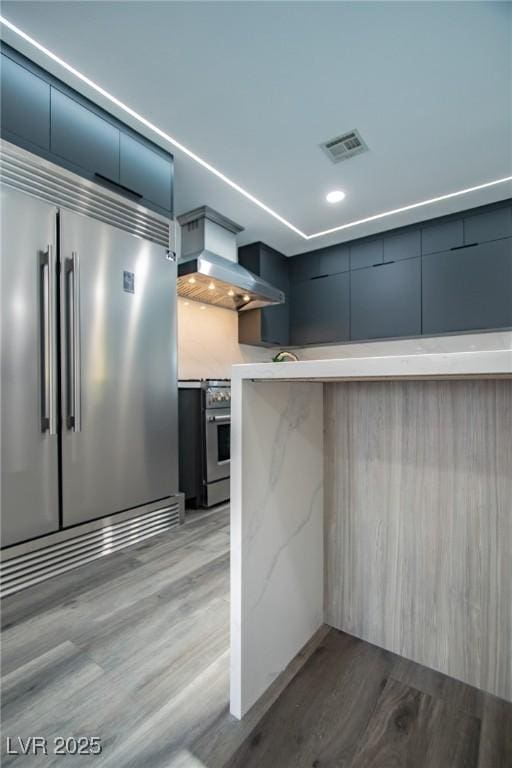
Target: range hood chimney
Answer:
[[208, 268]]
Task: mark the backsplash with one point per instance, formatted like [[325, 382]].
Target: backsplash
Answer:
[[208, 344], [467, 342]]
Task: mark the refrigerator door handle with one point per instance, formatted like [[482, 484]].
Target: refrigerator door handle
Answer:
[[44, 303], [74, 420], [48, 341]]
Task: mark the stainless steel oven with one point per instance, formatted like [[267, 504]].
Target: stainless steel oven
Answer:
[[218, 444]]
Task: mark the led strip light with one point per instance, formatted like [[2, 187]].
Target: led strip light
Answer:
[[230, 182]]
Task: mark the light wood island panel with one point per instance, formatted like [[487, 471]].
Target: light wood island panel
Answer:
[[418, 522]]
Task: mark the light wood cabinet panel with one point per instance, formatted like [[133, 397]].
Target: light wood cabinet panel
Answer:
[[418, 490]]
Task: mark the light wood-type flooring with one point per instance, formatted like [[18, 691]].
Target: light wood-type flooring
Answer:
[[134, 649]]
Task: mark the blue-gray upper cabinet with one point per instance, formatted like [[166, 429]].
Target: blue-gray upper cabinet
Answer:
[[83, 139], [275, 321], [441, 236], [404, 245], [268, 326], [324, 261], [320, 311], [25, 112], [146, 172], [385, 301], [366, 253], [468, 289], [487, 226]]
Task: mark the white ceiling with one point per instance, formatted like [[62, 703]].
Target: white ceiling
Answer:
[[255, 87]]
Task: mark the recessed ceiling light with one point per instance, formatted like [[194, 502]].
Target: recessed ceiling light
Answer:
[[192, 280], [231, 292], [247, 298], [336, 196], [215, 171], [211, 287]]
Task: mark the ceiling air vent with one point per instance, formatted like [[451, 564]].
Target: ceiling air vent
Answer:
[[345, 146]]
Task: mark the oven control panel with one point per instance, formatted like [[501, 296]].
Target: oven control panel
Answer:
[[218, 397]]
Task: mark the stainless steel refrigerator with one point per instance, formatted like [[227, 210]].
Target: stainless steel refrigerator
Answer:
[[88, 377]]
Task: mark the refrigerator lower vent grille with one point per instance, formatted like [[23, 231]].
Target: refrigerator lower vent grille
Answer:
[[31, 568], [27, 172]]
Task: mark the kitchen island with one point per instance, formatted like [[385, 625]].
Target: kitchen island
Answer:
[[373, 494]]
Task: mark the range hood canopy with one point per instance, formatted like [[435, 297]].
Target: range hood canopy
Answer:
[[208, 269]]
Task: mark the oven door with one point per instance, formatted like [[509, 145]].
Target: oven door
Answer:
[[218, 443]]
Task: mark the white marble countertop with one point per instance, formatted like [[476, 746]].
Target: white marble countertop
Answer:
[[490, 363]]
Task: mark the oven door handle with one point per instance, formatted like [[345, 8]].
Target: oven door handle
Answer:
[[219, 418]]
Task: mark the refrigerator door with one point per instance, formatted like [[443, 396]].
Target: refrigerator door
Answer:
[[119, 388], [29, 495]]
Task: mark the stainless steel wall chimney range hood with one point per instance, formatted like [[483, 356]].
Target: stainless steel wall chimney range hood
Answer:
[[208, 268]]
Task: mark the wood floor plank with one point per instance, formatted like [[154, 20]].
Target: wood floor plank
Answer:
[[65, 590], [177, 657], [150, 578], [161, 737], [410, 728], [45, 685], [151, 622], [496, 734], [115, 603], [455, 694], [197, 529]]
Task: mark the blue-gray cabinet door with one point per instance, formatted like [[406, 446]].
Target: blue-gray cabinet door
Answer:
[[320, 310], [275, 321], [25, 112], [366, 253], [441, 236], [468, 289], [385, 301], [487, 226], [324, 261], [402, 245], [83, 139], [268, 325], [146, 172]]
